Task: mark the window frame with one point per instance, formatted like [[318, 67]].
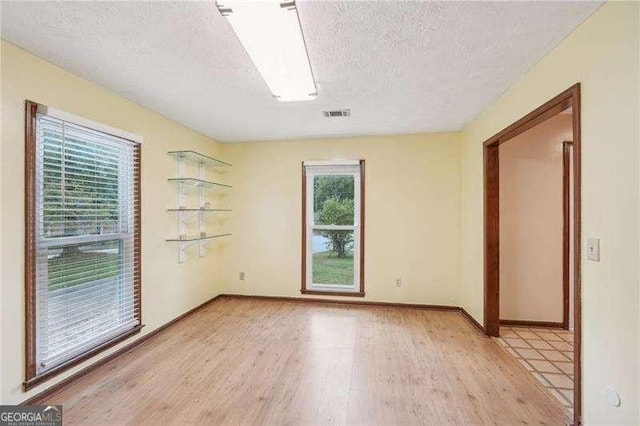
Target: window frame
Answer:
[[32, 377], [307, 285]]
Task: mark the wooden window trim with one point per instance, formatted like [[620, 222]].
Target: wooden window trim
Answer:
[[32, 379], [333, 293], [567, 147], [303, 288], [43, 377]]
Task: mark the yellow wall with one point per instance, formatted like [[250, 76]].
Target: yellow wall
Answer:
[[603, 54], [412, 215], [169, 288]]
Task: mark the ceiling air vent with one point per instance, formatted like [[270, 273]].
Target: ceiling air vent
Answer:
[[337, 113]]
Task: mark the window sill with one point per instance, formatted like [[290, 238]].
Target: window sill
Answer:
[[333, 293], [42, 377]]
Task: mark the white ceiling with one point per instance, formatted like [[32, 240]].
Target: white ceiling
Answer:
[[401, 67]]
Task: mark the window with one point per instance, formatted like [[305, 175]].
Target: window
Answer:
[[333, 228], [83, 240]]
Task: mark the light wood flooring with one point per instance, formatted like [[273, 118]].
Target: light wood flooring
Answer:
[[249, 361]]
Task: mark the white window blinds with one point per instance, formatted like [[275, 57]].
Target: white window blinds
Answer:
[[87, 284], [331, 167]]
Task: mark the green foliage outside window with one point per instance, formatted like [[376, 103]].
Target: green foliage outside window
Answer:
[[334, 205]]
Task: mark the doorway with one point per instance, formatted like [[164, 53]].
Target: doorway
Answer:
[[534, 291], [569, 99]]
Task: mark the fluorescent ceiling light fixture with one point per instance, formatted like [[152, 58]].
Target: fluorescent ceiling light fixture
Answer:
[[270, 32]]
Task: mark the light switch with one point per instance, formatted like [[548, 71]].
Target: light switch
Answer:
[[593, 249]]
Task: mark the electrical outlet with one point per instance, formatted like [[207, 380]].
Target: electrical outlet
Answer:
[[241, 276], [398, 282]]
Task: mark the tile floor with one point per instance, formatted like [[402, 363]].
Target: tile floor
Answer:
[[547, 354]]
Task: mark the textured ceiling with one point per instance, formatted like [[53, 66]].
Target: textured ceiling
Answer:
[[401, 67]]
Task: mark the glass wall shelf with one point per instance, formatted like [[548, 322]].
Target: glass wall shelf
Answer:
[[199, 183], [196, 238], [201, 187], [198, 158]]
